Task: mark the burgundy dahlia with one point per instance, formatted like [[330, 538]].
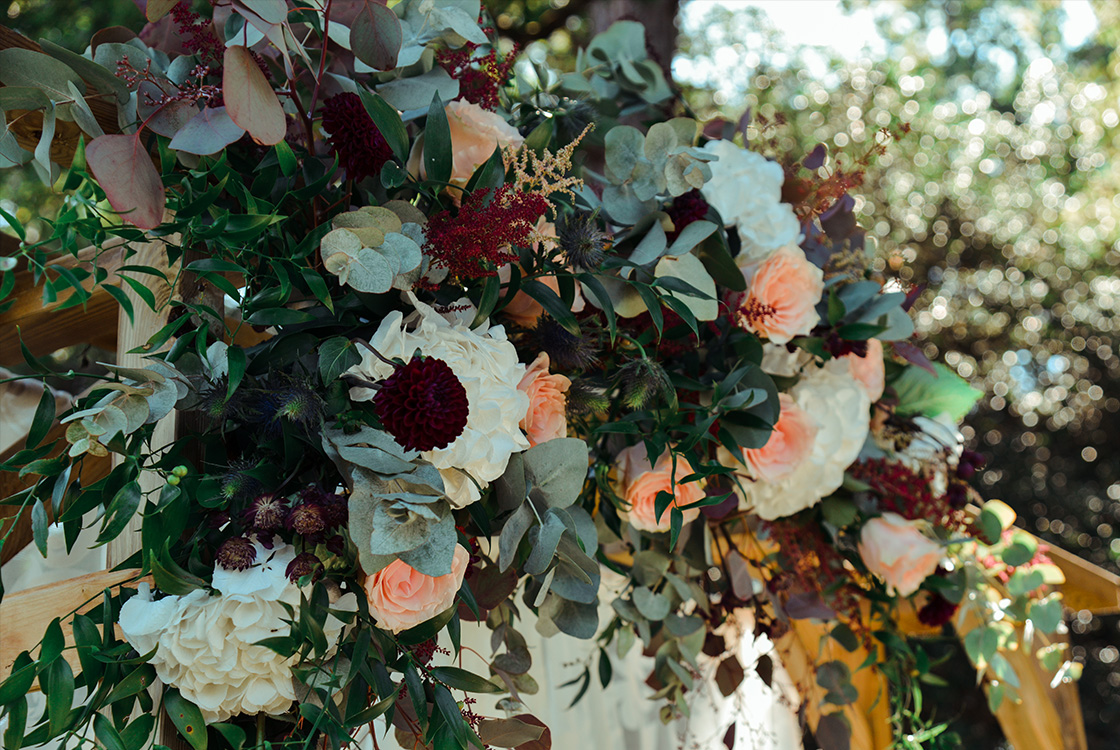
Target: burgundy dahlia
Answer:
[[353, 138], [422, 404], [685, 209], [937, 611], [236, 553]]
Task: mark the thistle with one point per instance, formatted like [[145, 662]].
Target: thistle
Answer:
[[304, 564], [565, 349], [584, 244], [586, 398], [642, 381]]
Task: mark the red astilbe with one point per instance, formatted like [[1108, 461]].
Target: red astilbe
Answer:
[[812, 563], [480, 79], [198, 35], [480, 237], [908, 493]]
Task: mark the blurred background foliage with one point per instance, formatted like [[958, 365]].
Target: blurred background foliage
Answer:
[[1003, 198]]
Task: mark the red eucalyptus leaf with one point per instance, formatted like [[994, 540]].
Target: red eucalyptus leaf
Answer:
[[157, 9], [249, 97], [375, 36], [122, 167]]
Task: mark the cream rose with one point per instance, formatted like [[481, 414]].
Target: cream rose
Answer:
[[898, 552], [790, 443], [204, 645], [868, 371], [641, 483], [782, 295], [401, 597], [547, 418], [841, 411], [475, 133], [746, 189], [486, 364]]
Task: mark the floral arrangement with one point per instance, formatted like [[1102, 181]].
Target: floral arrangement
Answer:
[[453, 333]]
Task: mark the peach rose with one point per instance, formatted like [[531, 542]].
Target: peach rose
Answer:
[[898, 552], [789, 445], [642, 482], [546, 418], [868, 371], [401, 597], [782, 295]]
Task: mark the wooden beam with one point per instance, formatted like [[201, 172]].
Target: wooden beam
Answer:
[[93, 468], [65, 142], [25, 615]]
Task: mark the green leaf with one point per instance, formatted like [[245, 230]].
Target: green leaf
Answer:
[[552, 304], [286, 158], [107, 736], [336, 356], [279, 316], [461, 679], [136, 734], [20, 680], [39, 526], [437, 143], [388, 122], [1021, 550], [60, 694], [169, 577], [921, 392], [186, 717], [120, 511], [43, 419], [237, 364], [17, 724]]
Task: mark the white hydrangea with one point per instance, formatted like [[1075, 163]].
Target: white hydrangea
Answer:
[[841, 409], [486, 364], [203, 644], [746, 189]]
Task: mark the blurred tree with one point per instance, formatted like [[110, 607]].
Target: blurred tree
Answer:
[[1003, 198]]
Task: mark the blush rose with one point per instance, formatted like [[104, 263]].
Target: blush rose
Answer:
[[782, 295], [898, 552], [790, 443], [401, 597], [868, 371], [641, 483], [546, 418]]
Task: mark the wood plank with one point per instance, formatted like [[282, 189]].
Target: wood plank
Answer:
[[93, 468], [25, 615], [65, 143], [131, 335]]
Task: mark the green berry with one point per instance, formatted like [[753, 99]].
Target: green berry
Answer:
[[180, 471], [173, 480]]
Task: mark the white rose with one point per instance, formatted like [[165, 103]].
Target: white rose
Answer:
[[746, 189], [486, 364], [204, 644], [841, 409]]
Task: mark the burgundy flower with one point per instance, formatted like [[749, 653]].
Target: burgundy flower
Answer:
[[937, 611], [422, 404], [685, 209], [307, 520], [353, 138], [266, 512], [304, 564], [236, 553]]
